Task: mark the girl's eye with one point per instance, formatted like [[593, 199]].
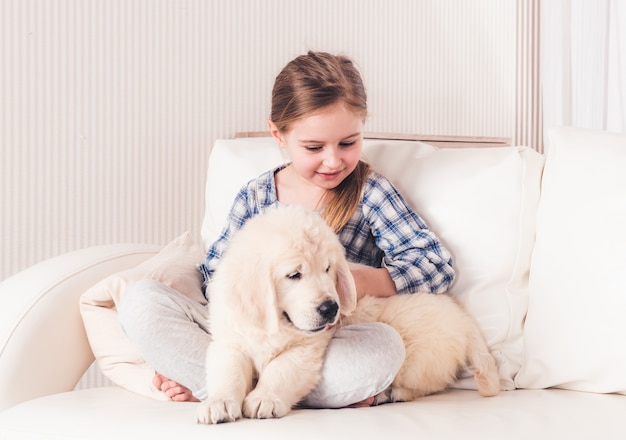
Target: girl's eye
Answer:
[[316, 148]]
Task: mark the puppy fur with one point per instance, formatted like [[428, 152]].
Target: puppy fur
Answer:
[[440, 338], [274, 302]]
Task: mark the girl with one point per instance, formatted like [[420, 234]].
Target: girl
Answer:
[[318, 112]]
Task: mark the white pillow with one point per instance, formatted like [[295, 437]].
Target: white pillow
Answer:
[[575, 328], [232, 163], [482, 204], [480, 201], [119, 360]]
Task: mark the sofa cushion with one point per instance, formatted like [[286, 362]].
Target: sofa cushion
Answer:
[[175, 266], [480, 201], [232, 163], [111, 413], [575, 328]]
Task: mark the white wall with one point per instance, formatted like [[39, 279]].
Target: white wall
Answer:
[[108, 109]]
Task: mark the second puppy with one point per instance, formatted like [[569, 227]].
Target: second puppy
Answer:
[[440, 338]]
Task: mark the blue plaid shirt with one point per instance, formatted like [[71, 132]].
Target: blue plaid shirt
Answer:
[[383, 232]]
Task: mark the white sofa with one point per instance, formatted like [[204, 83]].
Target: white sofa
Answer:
[[540, 251]]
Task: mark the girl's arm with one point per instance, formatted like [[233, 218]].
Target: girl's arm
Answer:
[[373, 281], [415, 258]]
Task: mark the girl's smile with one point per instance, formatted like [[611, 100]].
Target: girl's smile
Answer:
[[329, 176]]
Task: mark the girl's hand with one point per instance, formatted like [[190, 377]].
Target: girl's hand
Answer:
[[372, 281], [174, 390]]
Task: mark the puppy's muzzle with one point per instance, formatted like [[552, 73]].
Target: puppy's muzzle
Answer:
[[323, 317]]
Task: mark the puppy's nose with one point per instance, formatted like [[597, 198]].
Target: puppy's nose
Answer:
[[328, 310]]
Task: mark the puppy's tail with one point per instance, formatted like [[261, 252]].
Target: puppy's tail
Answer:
[[483, 364]]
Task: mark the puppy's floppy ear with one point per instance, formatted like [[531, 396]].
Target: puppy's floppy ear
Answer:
[[345, 287], [254, 295]]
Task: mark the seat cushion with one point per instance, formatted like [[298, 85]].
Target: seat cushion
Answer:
[[113, 413]]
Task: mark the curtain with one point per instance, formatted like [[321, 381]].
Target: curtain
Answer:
[[584, 63]]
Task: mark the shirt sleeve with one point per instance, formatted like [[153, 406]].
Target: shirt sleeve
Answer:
[[414, 256]]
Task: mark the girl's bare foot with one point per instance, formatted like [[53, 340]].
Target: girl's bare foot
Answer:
[[174, 390]]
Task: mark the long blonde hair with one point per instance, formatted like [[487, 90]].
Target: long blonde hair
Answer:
[[312, 82]]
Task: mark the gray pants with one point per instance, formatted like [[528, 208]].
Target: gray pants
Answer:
[[170, 331]]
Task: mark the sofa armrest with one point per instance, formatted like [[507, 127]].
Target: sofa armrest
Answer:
[[43, 345]]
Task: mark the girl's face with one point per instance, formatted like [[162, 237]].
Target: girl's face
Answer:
[[325, 147]]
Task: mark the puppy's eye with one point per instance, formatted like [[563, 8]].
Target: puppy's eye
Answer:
[[328, 268], [294, 276]]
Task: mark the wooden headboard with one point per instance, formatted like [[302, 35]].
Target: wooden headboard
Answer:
[[436, 140]]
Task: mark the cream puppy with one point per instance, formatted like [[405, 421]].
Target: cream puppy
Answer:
[[275, 300], [440, 338]]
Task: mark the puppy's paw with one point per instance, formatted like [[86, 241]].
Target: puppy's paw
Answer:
[[214, 411], [264, 407], [397, 393], [402, 394], [383, 397]]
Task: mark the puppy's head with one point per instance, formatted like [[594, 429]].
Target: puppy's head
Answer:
[[295, 271]]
